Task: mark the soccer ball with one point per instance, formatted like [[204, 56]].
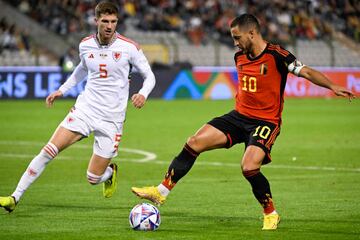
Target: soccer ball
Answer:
[[145, 217]]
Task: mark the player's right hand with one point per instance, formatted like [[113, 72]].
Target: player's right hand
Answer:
[[341, 91], [51, 98]]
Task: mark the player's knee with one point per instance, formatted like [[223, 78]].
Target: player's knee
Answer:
[[93, 179], [195, 143], [192, 140], [245, 166]]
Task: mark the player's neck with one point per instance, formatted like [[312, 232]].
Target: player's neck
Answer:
[[258, 48], [104, 41]]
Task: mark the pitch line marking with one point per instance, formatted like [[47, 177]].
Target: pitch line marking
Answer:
[[148, 156], [151, 157]]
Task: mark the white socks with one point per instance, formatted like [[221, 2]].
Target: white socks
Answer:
[[163, 190], [38, 164], [35, 168], [107, 174], [95, 179]]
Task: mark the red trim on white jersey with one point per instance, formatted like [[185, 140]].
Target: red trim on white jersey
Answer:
[[88, 37], [129, 41]]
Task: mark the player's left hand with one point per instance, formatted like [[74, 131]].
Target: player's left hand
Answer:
[[138, 100], [341, 91]]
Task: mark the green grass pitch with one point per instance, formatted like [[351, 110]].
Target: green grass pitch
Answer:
[[315, 175]]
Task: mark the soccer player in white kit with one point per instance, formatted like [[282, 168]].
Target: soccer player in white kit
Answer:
[[106, 60]]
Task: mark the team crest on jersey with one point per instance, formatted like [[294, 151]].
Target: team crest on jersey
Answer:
[[116, 56]]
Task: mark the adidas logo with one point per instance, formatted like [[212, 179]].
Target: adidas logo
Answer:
[[91, 55]]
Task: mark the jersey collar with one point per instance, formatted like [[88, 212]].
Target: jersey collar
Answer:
[[106, 45], [258, 56]]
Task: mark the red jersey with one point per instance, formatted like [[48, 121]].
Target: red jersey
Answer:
[[262, 81]]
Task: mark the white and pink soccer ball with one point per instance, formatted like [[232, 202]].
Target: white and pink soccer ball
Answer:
[[144, 217]]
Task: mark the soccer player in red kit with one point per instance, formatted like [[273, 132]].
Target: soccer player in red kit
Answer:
[[262, 70]]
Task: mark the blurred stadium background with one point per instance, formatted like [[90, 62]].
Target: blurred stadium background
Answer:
[[177, 35], [316, 159], [187, 42], [319, 32]]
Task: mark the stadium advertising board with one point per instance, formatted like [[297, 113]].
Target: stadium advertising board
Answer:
[[199, 83], [221, 83], [33, 82]]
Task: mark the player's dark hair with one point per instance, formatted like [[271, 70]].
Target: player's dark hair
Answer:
[[246, 21], [106, 7]]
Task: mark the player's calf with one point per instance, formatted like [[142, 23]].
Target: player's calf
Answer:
[[35, 168], [261, 189]]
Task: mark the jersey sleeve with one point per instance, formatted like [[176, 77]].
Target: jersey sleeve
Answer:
[[139, 60], [79, 74]]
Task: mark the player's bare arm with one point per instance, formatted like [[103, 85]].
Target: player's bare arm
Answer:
[[138, 100], [320, 79], [51, 98]]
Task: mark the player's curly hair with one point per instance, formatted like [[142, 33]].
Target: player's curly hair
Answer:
[[106, 7], [246, 21]]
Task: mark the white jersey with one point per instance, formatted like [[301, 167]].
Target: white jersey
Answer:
[[107, 68]]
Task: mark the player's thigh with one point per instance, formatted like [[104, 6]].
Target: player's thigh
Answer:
[[74, 127], [207, 138], [62, 138]]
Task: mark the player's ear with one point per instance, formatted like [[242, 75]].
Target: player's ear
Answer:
[[251, 33]]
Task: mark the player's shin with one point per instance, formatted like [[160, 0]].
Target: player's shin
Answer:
[[261, 189], [178, 168], [34, 170]]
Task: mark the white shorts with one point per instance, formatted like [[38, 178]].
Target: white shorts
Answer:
[[107, 135]]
